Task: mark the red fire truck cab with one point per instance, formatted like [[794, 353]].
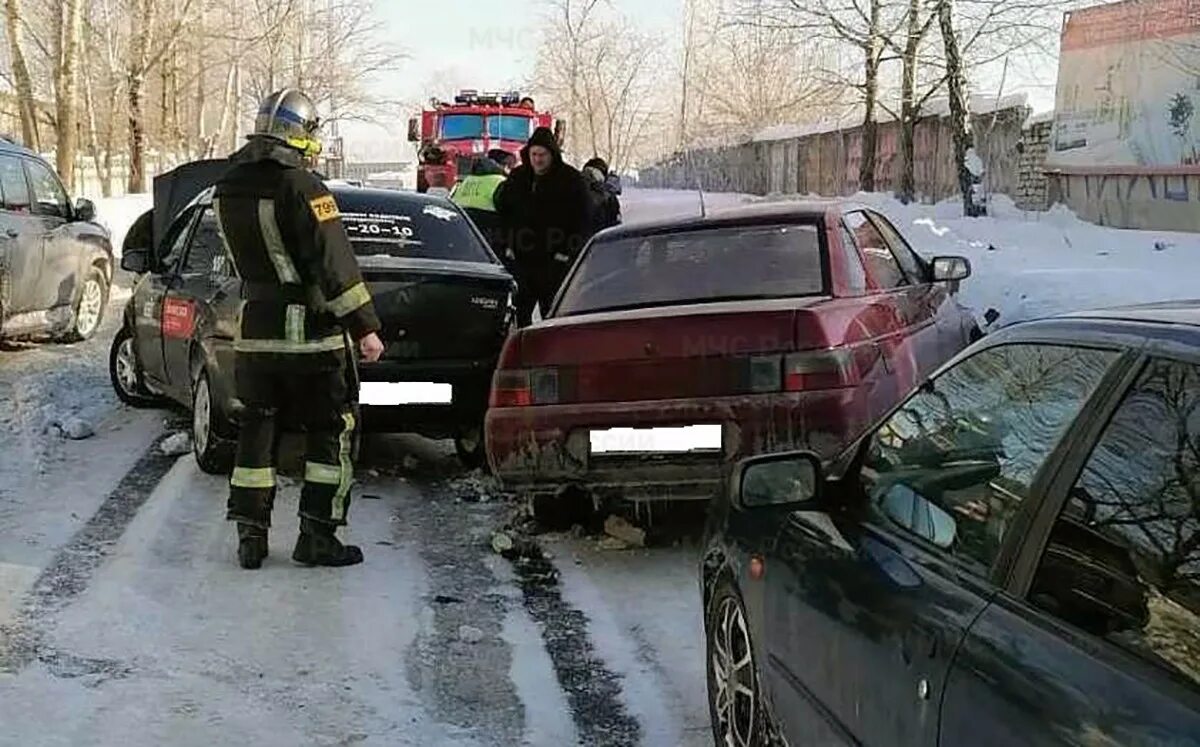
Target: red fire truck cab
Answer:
[[451, 135]]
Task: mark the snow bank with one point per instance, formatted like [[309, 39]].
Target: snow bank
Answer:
[[117, 214], [1028, 265]]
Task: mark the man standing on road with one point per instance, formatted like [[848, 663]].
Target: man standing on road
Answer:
[[302, 294], [545, 208], [476, 196], [604, 189]]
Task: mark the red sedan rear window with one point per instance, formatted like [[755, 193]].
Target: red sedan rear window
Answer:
[[703, 266]]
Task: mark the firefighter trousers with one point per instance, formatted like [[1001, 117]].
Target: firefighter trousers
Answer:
[[277, 400]]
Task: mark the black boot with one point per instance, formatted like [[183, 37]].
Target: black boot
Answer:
[[318, 545], [252, 545]]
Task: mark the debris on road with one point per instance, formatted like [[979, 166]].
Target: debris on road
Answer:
[[612, 543], [476, 487], [469, 634], [371, 497], [76, 429], [411, 463], [446, 599], [176, 444], [617, 527]]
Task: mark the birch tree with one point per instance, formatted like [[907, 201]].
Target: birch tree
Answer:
[[20, 70], [68, 38]]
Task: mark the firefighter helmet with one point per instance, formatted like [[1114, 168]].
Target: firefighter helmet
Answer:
[[291, 117]]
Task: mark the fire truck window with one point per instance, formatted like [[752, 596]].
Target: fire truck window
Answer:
[[459, 126], [509, 128]]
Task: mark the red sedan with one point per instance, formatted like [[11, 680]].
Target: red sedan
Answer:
[[676, 348]]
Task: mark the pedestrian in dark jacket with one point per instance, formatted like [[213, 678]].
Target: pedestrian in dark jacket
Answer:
[[545, 207], [604, 189]]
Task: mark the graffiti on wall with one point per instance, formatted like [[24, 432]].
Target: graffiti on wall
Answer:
[[1129, 89]]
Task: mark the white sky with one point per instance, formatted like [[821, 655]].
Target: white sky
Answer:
[[492, 45]]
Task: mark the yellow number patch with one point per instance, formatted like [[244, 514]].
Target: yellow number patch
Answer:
[[324, 208]]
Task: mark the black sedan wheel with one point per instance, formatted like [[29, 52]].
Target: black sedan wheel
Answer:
[[214, 453], [470, 447], [126, 373], [734, 696]]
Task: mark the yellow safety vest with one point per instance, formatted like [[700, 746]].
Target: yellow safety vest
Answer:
[[477, 191]]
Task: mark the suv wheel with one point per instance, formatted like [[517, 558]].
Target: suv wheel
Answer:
[[735, 703], [214, 452], [89, 309], [126, 373]]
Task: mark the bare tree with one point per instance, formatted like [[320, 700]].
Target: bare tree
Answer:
[[24, 85], [960, 121], [597, 66], [68, 38]]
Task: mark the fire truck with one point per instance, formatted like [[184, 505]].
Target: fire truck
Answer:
[[450, 136]]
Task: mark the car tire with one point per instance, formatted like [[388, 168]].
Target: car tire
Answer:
[[214, 451], [88, 313], [727, 636], [471, 448], [125, 372]]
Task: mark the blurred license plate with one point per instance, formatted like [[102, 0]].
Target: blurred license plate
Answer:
[[385, 393], [657, 440]]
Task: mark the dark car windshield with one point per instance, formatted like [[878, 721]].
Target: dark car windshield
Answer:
[[384, 225], [701, 266]]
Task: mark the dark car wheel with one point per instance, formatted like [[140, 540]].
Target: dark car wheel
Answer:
[[735, 704], [471, 448], [214, 451], [89, 309], [126, 373]]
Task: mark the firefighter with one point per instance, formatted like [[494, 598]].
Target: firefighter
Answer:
[[303, 299]]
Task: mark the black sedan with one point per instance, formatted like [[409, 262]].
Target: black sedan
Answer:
[[444, 299], [1010, 557]]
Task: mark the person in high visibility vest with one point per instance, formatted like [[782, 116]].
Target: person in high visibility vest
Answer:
[[476, 195]]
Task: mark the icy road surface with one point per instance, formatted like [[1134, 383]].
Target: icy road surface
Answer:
[[125, 620]]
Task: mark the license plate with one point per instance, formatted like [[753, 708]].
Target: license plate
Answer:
[[656, 440], [390, 393]]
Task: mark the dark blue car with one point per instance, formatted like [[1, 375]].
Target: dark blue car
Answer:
[[1009, 557]]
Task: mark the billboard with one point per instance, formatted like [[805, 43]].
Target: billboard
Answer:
[[1129, 89]]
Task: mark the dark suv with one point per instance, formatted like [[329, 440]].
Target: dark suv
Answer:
[[56, 263]]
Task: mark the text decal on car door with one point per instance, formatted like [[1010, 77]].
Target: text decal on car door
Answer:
[[178, 319]]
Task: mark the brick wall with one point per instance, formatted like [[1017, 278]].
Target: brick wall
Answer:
[[1030, 192]]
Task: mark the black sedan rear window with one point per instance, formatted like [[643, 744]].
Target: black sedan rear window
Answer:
[[699, 266], [408, 228]]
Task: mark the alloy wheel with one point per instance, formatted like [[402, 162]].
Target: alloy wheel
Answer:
[[733, 673], [127, 375], [91, 305], [201, 415]]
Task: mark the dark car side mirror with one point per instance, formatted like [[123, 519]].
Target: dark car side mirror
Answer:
[[85, 210], [136, 261], [947, 269], [789, 479]]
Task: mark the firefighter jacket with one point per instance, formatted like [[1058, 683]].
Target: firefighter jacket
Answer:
[[301, 286]]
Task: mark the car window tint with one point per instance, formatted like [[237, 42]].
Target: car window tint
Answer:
[[700, 266], [13, 184], [386, 227], [1123, 560], [856, 274], [884, 268], [966, 447], [206, 245], [48, 194], [913, 267]]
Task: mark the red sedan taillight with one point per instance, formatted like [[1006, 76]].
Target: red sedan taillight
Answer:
[[524, 387], [810, 370]]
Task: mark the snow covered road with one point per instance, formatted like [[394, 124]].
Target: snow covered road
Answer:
[[124, 618]]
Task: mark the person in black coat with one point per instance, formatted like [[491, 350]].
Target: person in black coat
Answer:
[[545, 207], [604, 188]]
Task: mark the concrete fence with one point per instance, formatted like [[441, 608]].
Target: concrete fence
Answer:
[[827, 163]]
